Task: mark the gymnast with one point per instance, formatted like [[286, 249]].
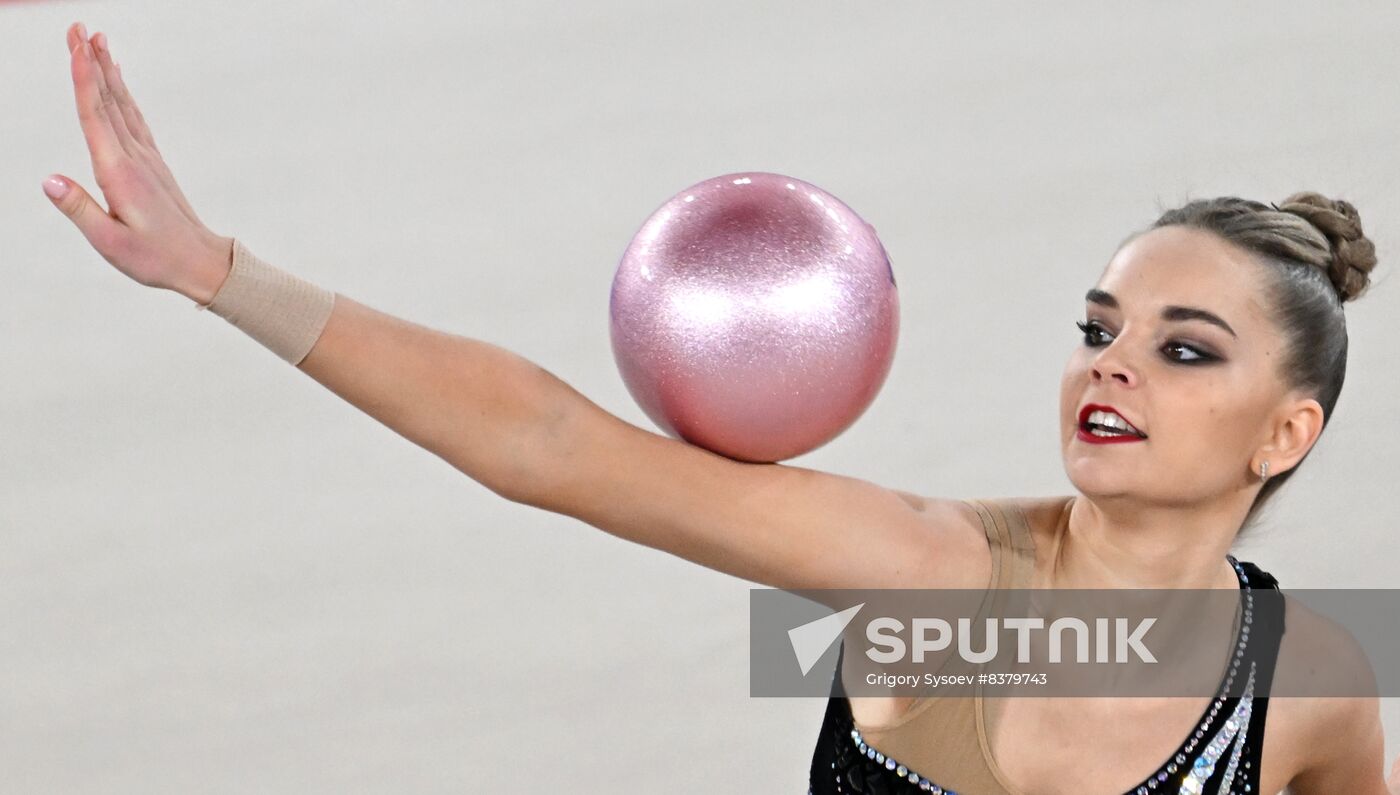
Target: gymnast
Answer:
[[1214, 349]]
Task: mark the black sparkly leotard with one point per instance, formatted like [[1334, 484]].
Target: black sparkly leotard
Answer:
[[1222, 754]]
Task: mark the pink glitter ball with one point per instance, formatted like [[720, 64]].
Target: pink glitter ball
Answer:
[[754, 315]]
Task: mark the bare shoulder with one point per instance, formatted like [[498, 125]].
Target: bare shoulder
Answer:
[[1040, 510], [1318, 656], [947, 511], [1308, 723], [1042, 514], [958, 530]]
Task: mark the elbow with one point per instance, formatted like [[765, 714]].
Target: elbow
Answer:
[[530, 463], [533, 454], [516, 477], [526, 486]]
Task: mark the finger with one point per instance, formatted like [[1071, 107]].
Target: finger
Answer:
[[77, 34], [102, 141], [101, 229], [135, 121], [110, 105], [131, 114]]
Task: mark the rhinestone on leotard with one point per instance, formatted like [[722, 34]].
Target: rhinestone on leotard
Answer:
[[1228, 734], [899, 769]]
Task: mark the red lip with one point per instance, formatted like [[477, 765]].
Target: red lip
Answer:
[[1085, 436]]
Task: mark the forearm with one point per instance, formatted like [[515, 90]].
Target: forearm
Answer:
[[485, 410]]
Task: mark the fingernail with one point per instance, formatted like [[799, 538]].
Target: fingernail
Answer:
[[87, 50], [82, 31], [100, 42], [55, 187]]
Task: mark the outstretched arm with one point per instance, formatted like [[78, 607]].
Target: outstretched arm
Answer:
[[532, 438], [503, 420]]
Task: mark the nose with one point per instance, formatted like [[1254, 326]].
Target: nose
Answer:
[[1110, 364]]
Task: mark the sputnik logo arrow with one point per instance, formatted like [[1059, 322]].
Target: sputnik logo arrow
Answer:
[[811, 640]]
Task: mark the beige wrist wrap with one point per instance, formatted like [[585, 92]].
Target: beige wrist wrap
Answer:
[[282, 312]]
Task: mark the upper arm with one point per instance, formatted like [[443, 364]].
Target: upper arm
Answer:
[[1349, 753], [783, 526], [1345, 745]]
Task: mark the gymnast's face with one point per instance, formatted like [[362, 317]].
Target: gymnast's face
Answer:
[[1208, 398]]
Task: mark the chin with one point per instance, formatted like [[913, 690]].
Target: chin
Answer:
[[1098, 480]]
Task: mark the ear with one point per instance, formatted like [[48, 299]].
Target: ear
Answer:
[[1295, 429]]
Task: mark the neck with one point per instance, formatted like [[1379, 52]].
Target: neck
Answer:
[[1117, 543], [1126, 544]]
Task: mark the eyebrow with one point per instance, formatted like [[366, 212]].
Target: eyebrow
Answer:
[[1097, 296]]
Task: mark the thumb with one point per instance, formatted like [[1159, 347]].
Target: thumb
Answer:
[[69, 197]]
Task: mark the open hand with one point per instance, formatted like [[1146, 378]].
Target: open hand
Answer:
[[149, 232]]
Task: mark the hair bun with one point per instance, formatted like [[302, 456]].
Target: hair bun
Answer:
[[1353, 254]]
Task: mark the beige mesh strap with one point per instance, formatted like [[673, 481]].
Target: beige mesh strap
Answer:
[[284, 313]]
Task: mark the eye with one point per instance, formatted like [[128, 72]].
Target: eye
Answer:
[[1092, 328], [1196, 355]]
